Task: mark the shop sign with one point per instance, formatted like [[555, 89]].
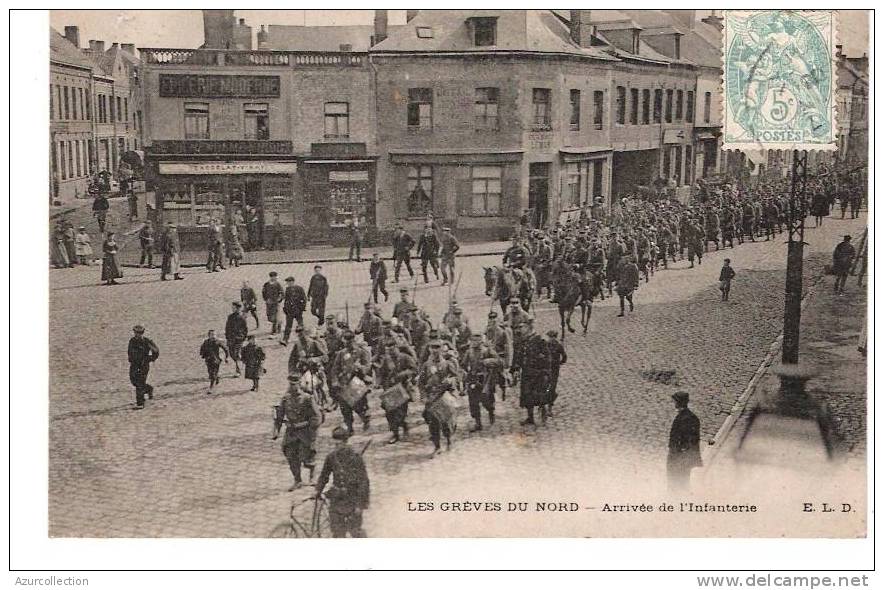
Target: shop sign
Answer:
[[228, 167], [218, 86]]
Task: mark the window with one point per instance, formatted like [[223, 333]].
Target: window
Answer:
[[337, 119], [100, 107], [58, 106], [84, 104], [658, 105], [77, 158], [575, 110], [70, 159], [633, 106], [52, 102], [598, 109], [196, 120], [420, 190], [126, 110], [669, 106], [485, 31], [621, 105], [597, 168], [119, 109], [679, 105], [707, 107], [257, 121], [88, 106], [486, 190], [689, 107], [485, 109], [677, 175], [113, 111], [688, 164], [90, 165], [74, 104], [425, 32], [573, 183], [67, 105], [540, 98], [646, 107], [62, 160], [420, 108]]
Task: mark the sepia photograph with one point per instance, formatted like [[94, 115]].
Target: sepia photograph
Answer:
[[458, 274]]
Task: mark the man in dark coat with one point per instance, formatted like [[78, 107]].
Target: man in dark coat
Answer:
[[557, 358], [100, 207], [273, 294], [377, 271], [210, 350], [302, 418], [317, 293], [535, 373], [842, 259], [627, 283], [293, 305], [253, 360], [479, 363], [351, 361], [449, 247], [684, 444], [428, 250], [355, 240], [142, 352], [349, 494], [402, 245], [235, 332]]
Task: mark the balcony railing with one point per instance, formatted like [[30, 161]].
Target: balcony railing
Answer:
[[222, 57]]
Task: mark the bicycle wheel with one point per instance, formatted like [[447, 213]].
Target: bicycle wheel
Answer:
[[321, 525], [285, 530]]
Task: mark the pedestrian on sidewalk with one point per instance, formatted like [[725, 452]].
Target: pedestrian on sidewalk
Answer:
[[253, 360], [627, 282], [684, 445], [142, 352], [235, 332], [171, 253], [317, 292], [302, 417], [293, 306], [356, 234], [146, 239], [724, 279], [273, 295], [210, 350], [83, 246], [448, 249], [842, 260], [110, 265], [249, 302], [377, 271]]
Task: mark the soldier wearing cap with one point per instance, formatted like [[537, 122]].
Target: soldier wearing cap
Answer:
[[515, 255], [294, 304], [235, 332], [459, 328], [351, 361], [517, 319], [397, 368], [419, 327], [273, 294], [317, 292], [449, 247], [349, 493], [333, 337], [480, 363], [302, 418], [371, 326], [535, 373], [428, 250], [684, 444], [142, 352], [437, 375], [500, 338], [308, 353], [403, 306], [402, 245]]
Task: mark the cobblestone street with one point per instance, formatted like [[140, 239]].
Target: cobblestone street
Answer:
[[197, 465]]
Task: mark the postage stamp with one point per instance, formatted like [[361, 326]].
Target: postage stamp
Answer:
[[779, 79]]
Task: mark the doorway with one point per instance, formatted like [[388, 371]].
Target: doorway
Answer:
[[538, 192]]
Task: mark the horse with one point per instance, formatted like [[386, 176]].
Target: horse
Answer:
[[571, 293]]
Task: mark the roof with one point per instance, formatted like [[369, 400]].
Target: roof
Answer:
[[321, 38], [517, 30], [63, 51]]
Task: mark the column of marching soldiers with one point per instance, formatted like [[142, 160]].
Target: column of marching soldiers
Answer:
[[408, 358]]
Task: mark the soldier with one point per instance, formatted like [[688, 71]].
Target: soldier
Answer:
[[249, 302], [334, 339], [403, 307], [627, 282], [273, 295], [302, 418], [402, 245], [517, 318], [351, 361], [317, 292], [695, 242], [748, 222], [235, 332], [713, 224], [146, 238], [616, 249], [557, 358], [449, 248], [728, 228], [428, 250], [515, 255], [397, 368], [142, 352], [419, 327], [437, 376], [500, 339], [377, 271], [294, 304], [684, 444], [771, 218], [210, 350], [459, 327], [479, 363], [349, 493], [535, 374], [306, 351], [371, 326], [253, 360]]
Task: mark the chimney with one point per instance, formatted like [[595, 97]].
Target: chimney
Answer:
[[96, 46], [581, 27], [262, 38], [410, 14], [242, 36], [380, 26], [715, 20], [128, 48], [218, 28], [72, 34], [114, 45]]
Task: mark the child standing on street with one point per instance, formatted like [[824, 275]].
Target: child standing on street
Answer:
[[724, 278]]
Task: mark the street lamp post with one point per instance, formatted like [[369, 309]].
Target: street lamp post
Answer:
[[795, 258]]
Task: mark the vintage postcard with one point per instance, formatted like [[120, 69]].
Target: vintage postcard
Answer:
[[458, 273]]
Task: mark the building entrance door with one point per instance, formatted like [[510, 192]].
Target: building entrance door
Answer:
[[538, 192]]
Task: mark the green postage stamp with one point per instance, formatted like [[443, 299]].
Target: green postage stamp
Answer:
[[779, 79]]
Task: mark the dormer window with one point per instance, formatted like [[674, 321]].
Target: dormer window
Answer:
[[424, 32], [636, 41], [484, 31], [678, 47]]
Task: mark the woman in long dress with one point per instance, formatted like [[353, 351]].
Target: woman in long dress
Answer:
[[57, 250], [110, 267]]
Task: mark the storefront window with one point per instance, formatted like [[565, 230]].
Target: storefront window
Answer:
[[208, 202], [348, 192], [420, 190], [278, 201], [573, 183]]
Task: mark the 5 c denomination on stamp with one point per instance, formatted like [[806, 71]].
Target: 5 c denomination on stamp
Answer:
[[779, 79]]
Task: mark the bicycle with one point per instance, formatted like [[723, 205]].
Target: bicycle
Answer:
[[298, 528]]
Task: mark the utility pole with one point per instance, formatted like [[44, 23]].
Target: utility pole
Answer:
[[795, 259]]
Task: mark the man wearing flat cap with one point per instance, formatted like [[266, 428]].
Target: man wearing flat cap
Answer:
[[403, 306], [142, 352], [842, 259], [351, 361], [402, 245], [273, 295], [317, 293], [293, 305], [302, 418], [684, 444], [448, 249], [235, 332], [350, 490]]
